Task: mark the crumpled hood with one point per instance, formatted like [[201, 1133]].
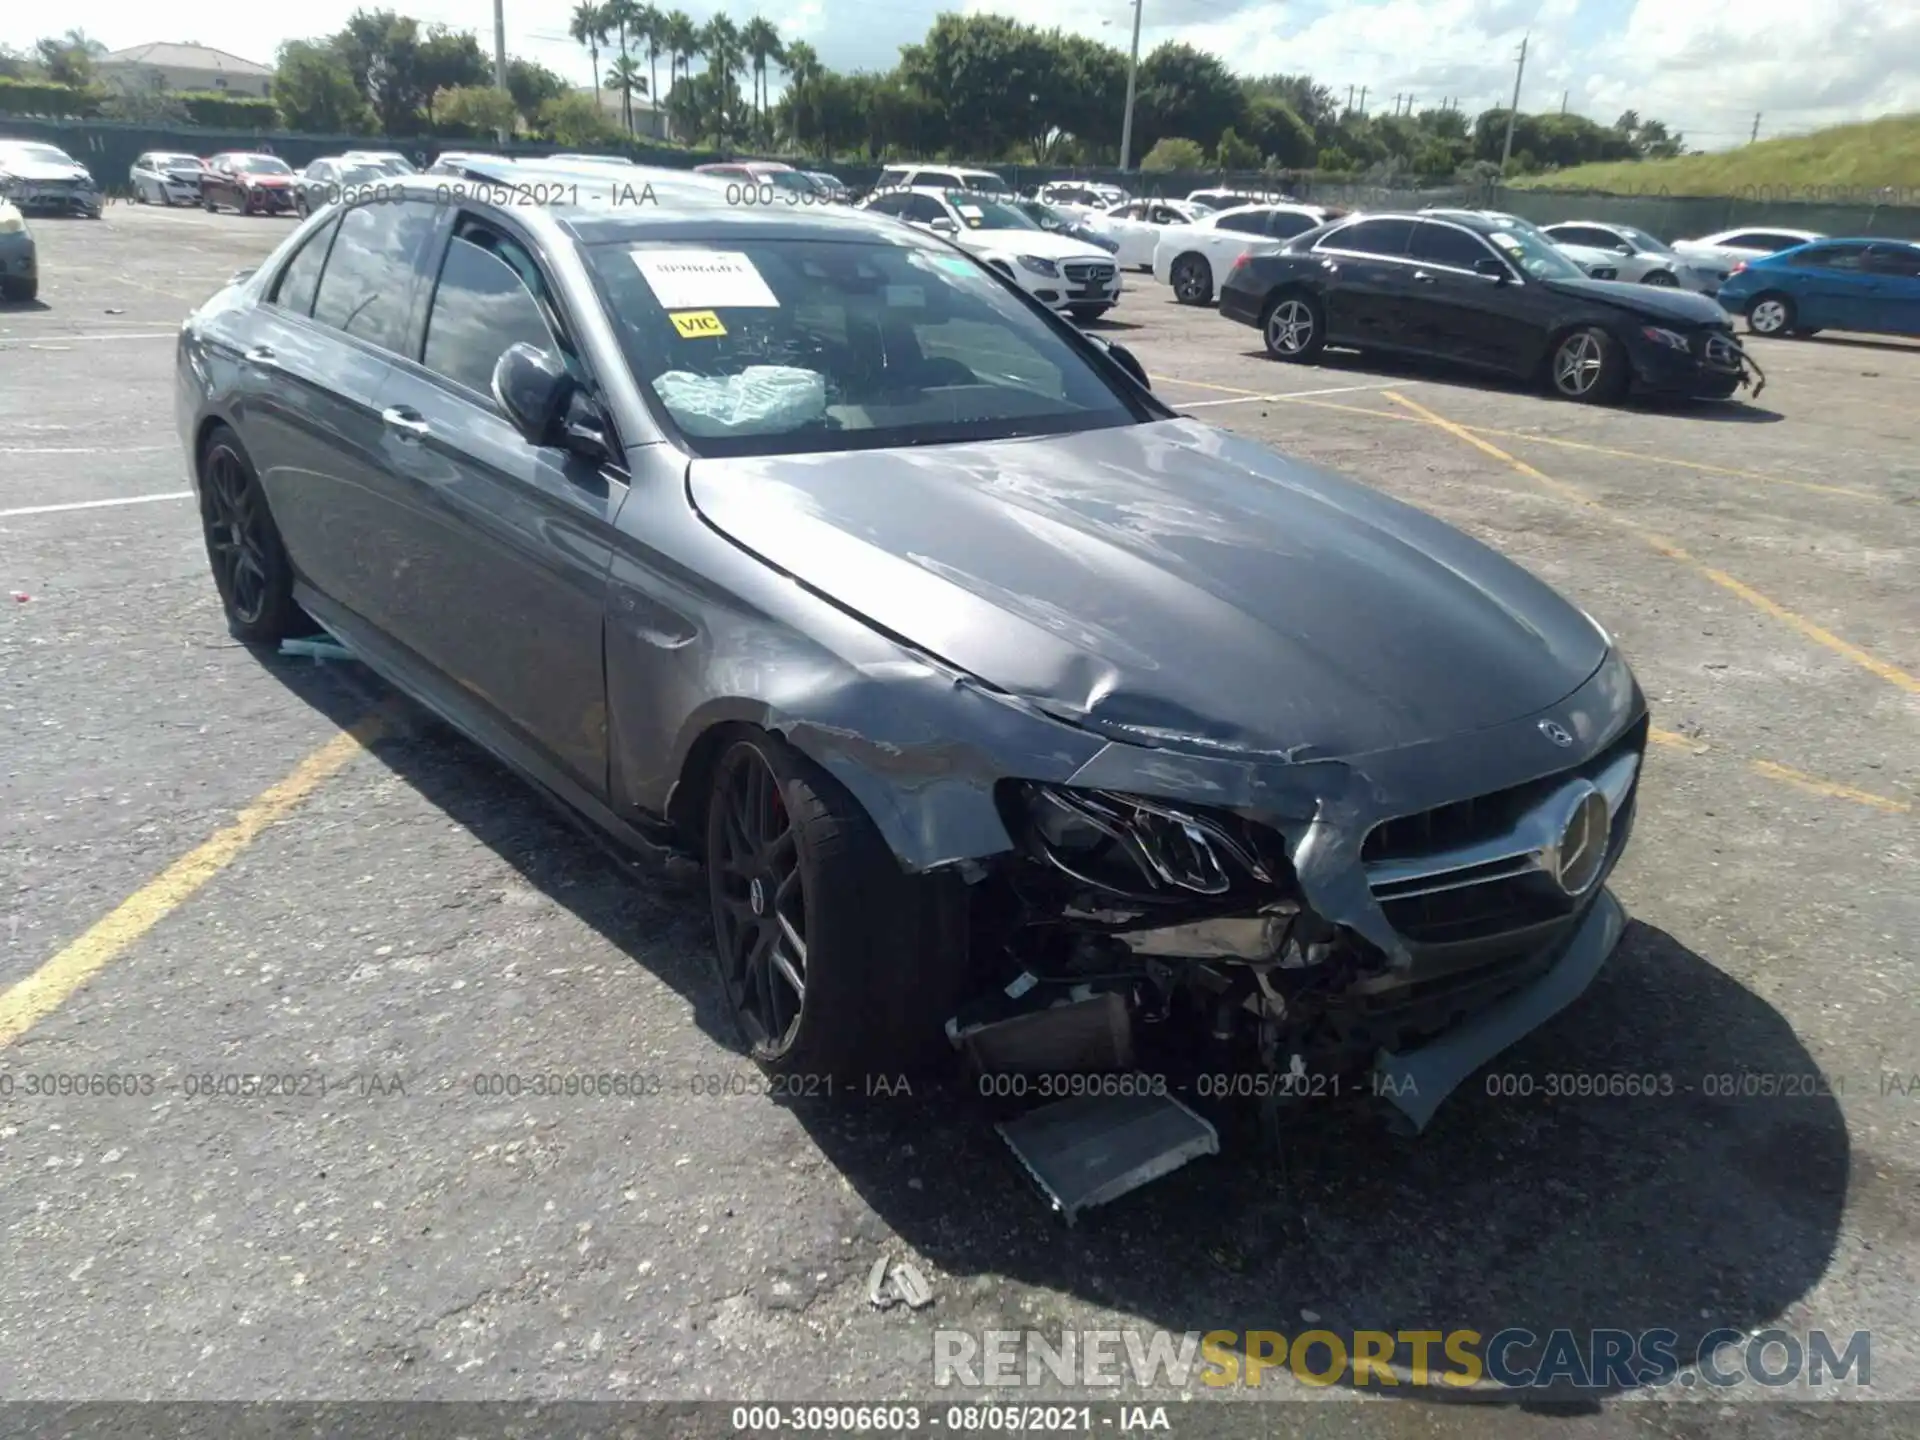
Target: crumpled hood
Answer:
[[1651, 302], [1168, 581]]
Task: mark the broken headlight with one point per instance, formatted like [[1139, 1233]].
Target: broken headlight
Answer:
[[1137, 847]]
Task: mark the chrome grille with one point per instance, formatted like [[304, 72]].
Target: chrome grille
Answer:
[[1483, 867], [1087, 274]]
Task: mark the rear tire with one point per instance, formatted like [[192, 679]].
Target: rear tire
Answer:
[[1192, 280], [1294, 327], [1589, 366], [1771, 313], [249, 561], [804, 889]]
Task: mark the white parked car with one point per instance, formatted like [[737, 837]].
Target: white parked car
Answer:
[[1720, 253], [392, 161], [1639, 257], [1234, 199], [1195, 258], [1597, 263], [455, 162], [1066, 274], [941, 177], [1137, 226], [166, 177], [1081, 197]]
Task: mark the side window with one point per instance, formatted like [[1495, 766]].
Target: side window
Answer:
[[368, 284], [888, 204], [481, 307], [989, 350], [1285, 224], [1385, 237], [1830, 257], [1589, 236], [925, 209], [1446, 245], [1253, 224], [945, 179], [893, 175], [1894, 260], [295, 289], [1135, 211]]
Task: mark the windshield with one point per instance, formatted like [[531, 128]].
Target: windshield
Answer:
[[1044, 215], [1533, 251], [261, 165], [370, 174], [987, 184], [978, 212], [1642, 241], [188, 160], [779, 347], [43, 154]]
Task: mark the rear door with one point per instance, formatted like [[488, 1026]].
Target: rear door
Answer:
[[1368, 283], [1830, 286], [503, 546], [1896, 270]]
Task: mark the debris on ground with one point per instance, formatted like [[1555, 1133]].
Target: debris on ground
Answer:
[[1093, 1149], [319, 647], [21, 596], [903, 1284]]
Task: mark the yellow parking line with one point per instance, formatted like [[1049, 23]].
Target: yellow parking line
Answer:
[[27, 1003], [1676, 742], [1699, 465], [1891, 673], [1817, 786]]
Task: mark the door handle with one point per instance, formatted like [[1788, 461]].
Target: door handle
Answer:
[[408, 422], [1423, 277], [260, 355]]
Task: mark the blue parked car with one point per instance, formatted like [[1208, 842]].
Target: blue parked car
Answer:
[[1870, 286]]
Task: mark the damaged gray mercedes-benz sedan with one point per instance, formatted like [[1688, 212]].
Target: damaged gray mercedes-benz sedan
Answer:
[[998, 699]]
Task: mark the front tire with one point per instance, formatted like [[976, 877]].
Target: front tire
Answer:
[[21, 292], [1588, 366], [1192, 280], [1771, 313], [1087, 314], [831, 959], [1660, 280], [1294, 328], [244, 549]]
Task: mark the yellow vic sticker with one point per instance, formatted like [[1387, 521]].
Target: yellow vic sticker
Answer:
[[697, 324]]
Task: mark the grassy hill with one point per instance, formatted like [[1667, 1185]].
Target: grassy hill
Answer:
[[1847, 162]]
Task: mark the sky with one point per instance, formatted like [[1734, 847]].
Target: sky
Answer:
[[1706, 67]]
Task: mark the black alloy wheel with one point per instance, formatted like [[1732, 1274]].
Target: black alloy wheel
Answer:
[[1661, 280], [1192, 280], [250, 566], [759, 895]]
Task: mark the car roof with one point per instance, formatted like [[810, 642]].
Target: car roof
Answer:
[[1292, 205], [660, 203]]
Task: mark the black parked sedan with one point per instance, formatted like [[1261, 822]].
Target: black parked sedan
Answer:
[[1490, 292], [804, 543]]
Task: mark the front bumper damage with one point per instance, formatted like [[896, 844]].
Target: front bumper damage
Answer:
[[1292, 929]]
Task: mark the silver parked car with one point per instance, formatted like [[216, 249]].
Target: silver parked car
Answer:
[[1638, 256], [166, 177]]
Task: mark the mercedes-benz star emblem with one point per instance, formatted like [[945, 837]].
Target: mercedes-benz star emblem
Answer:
[[1575, 862], [1556, 732], [757, 897]]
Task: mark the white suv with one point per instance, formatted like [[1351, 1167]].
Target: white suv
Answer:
[[1057, 270], [941, 177]]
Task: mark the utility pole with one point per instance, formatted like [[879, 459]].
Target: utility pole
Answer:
[[500, 56], [1506, 150], [1756, 128], [1563, 100], [1349, 99], [1363, 100], [1133, 71]]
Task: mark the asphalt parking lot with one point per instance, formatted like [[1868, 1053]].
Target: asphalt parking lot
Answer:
[[200, 877]]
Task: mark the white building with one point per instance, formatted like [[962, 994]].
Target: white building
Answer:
[[162, 65]]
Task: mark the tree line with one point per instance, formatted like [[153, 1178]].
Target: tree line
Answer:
[[981, 88]]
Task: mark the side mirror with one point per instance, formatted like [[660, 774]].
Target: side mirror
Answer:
[[1492, 269], [545, 404], [943, 226], [1623, 250], [1125, 359]]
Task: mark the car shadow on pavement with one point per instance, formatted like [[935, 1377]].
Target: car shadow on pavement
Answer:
[[1620, 1169], [23, 307], [1432, 372]]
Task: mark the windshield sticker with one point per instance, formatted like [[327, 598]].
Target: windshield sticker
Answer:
[[710, 279], [971, 212], [697, 324], [906, 297], [1506, 241]]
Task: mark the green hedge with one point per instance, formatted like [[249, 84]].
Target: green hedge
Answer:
[[37, 97], [227, 112]]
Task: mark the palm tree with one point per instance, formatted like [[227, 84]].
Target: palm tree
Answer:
[[588, 27], [721, 41], [650, 26], [624, 75], [801, 65], [621, 14], [681, 39], [762, 44]]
